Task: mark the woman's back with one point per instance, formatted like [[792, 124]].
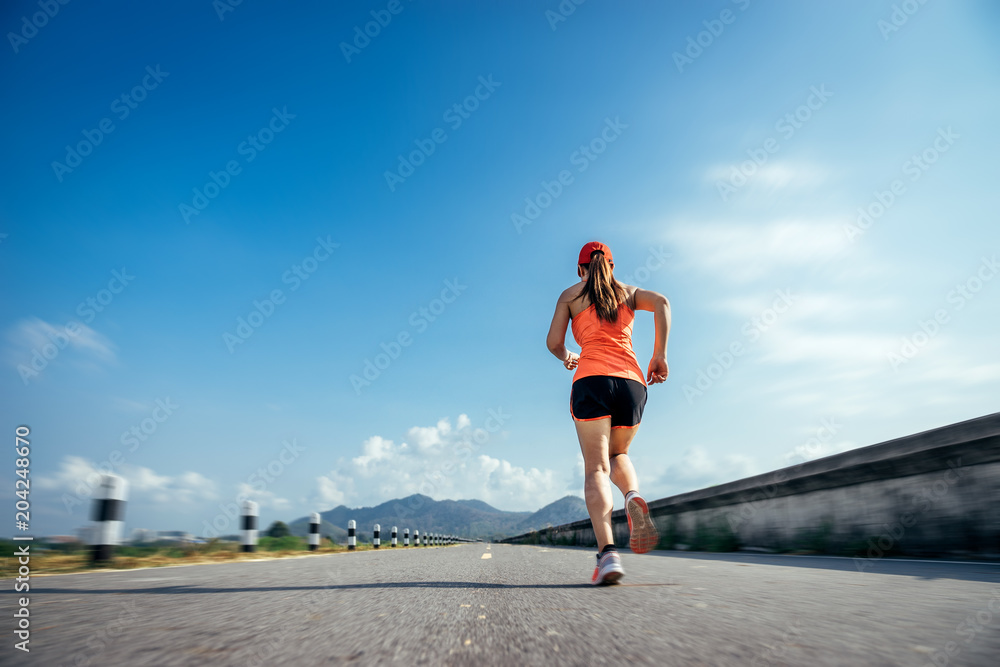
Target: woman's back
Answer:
[[606, 347]]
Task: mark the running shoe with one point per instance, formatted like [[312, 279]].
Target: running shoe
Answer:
[[609, 569], [642, 531]]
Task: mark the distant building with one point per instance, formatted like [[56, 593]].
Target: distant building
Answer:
[[146, 536], [61, 539], [174, 536], [143, 535]]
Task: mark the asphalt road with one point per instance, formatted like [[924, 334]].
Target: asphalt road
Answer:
[[499, 604]]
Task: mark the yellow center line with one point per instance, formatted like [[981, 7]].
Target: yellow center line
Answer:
[[485, 556]]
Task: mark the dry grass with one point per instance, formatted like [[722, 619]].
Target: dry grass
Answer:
[[215, 552]]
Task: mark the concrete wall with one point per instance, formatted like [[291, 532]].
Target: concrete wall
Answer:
[[930, 494]]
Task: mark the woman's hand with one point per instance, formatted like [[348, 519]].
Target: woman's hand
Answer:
[[571, 361], [658, 370]]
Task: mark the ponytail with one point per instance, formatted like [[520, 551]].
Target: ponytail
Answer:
[[606, 293]]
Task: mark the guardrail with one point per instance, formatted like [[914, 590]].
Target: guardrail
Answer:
[[929, 494]]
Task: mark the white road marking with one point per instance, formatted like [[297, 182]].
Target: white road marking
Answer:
[[485, 556]]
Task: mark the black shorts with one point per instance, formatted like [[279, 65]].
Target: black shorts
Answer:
[[602, 396]]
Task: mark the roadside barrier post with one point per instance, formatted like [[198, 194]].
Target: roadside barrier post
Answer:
[[393, 536], [406, 537], [375, 542], [249, 527], [109, 513], [352, 539], [314, 531]]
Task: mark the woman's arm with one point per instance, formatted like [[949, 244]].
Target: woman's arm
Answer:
[[556, 339], [660, 307]]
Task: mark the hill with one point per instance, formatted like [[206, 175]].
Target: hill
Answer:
[[565, 510], [464, 518]]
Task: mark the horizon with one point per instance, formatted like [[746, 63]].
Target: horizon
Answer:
[[82, 527], [284, 260], [236, 533]]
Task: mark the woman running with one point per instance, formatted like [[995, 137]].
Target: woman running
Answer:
[[609, 394]]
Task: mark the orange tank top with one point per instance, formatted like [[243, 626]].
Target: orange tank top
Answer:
[[606, 347]]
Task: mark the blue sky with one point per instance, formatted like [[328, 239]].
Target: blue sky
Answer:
[[727, 175]]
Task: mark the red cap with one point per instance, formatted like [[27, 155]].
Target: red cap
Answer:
[[594, 246]]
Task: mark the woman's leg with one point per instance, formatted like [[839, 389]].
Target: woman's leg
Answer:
[[622, 472], [643, 535], [594, 438]]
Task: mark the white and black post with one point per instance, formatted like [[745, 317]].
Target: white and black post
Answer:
[[393, 536], [109, 513], [249, 526], [375, 540], [406, 537], [352, 540], [416, 538], [314, 531]]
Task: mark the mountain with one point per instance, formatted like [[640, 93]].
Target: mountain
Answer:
[[464, 518], [565, 510]]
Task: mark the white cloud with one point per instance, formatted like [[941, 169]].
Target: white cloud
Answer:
[[853, 351], [79, 477], [443, 461], [264, 498], [743, 253], [815, 449], [374, 449], [770, 176], [128, 405], [809, 305], [767, 184], [33, 335], [144, 479], [333, 489], [429, 438], [504, 481], [74, 472], [698, 469], [952, 369]]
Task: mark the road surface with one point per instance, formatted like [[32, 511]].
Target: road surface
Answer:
[[479, 604]]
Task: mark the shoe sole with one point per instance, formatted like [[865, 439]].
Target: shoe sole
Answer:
[[642, 531], [609, 579]]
